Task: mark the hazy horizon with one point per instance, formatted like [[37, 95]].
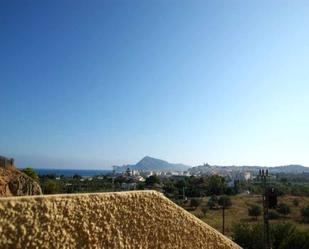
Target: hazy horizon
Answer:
[[95, 165], [101, 83]]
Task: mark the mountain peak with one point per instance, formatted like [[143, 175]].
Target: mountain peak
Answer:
[[147, 158], [151, 159], [148, 163]]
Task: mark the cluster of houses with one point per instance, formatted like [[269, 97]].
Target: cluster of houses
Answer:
[[147, 173], [134, 177]]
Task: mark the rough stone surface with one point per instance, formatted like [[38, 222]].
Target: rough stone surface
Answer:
[[15, 183], [137, 219]]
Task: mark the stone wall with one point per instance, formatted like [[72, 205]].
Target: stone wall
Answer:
[[137, 219]]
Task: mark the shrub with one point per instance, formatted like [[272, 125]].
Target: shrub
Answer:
[[283, 236], [296, 240], [280, 234], [283, 209], [255, 211], [213, 202], [225, 201], [247, 236], [31, 173], [273, 215], [140, 186]]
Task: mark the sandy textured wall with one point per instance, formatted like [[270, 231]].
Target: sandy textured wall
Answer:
[[139, 219]]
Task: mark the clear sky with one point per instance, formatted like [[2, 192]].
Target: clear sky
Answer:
[[89, 84]]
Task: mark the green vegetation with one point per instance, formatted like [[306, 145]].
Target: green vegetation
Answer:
[[248, 236], [195, 203], [152, 180], [305, 213], [283, 209], [213, 202], [50, 187], [255, 211], [239, 212], [282, 236], [273, 215], [31, 173], [225, 201], [205, 196]]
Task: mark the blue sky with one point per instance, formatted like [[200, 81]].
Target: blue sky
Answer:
[[89, 84]]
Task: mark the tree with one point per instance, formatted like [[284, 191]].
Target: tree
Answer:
[[216, 185], [283, 209], [140, 186], [151, 180], [77, 177], [213, 202], [180, 184], [50, 187], [31, 173], [225, 201], [255, 211], [305, 213]]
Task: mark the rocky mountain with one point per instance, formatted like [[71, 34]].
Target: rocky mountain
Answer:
[[153, 164], [15, 183]]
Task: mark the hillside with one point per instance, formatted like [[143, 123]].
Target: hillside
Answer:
[[153, 164], [13, 182], [137, 219]]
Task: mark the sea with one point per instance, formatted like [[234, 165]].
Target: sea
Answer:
[[72, 172]]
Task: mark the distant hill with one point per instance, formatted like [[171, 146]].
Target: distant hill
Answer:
[[290, 169], [154, 164], [208, 169]]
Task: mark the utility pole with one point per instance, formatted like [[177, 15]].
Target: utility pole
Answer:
[[263, 177]]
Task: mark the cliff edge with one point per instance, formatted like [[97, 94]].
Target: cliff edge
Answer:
[[137, 219]]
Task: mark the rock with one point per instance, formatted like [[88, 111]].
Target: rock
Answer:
[[13, 182]]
